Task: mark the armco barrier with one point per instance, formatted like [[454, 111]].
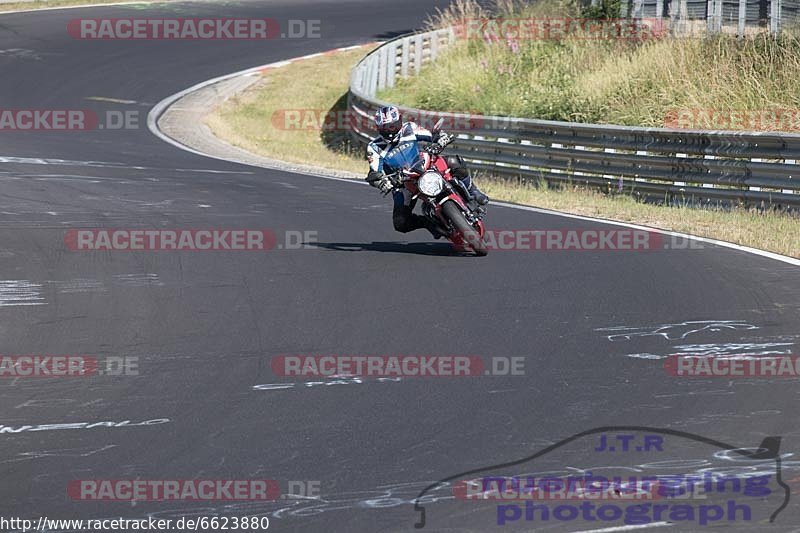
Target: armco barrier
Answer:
[[743, 167]]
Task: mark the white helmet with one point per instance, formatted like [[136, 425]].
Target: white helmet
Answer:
[[388, 120]]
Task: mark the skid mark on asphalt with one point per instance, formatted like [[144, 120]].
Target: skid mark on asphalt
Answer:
[[45, 403], [79, 285], [645, 356], [625, 528], [84, 285], [24, 292], [749, 348], [729, 350], [676, 331], [68, 452], [138, 280], [21, 53], [20, 293]]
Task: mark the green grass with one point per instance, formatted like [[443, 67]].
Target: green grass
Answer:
[[635, 83]]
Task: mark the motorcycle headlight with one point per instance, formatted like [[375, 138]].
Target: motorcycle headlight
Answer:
[[430, 184]]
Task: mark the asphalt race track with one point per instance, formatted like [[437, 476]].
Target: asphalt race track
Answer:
[[203, 326]]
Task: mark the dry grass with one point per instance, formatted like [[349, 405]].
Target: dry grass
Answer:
[[613, 81], [767, 231], [256, 120], [246, 121]]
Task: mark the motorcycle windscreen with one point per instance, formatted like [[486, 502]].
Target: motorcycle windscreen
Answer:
[[405, 156]]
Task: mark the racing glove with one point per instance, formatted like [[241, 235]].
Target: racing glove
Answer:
[[441, 141], [385, 186], [444, 139], [379, 181]]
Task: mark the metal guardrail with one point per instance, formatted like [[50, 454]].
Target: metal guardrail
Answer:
[[728, 16], [744, 167]]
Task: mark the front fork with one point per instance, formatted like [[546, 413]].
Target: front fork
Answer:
[[432, 208]]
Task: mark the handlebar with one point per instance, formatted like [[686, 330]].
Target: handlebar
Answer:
[[433, 148]]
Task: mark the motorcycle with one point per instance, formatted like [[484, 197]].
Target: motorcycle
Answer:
[[445, 200]]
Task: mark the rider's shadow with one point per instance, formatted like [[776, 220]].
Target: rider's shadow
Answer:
[[419, 248]]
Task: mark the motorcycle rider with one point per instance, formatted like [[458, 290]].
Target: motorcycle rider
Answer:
[[392, 130]]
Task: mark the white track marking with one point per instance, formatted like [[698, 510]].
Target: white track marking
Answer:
[[763, 253], [111, 100]]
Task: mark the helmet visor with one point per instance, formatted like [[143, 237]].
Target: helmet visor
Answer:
[[390, 129]]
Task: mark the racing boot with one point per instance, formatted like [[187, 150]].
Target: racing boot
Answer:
[[474, 191], [479, 195], [433, 228]]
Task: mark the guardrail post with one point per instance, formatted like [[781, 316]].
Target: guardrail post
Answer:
[[418, 54], [405, 58], [391, 67], [742, 19], [678, 18], [790, 191], [775, 17], [372, 79], [451, 36], [638, 6], [714, 16], [383, 66], [357, 78]]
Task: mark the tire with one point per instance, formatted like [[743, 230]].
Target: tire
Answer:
[[470, 235]]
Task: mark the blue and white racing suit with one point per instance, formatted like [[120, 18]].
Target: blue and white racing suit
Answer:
[[377, 151], [379, 155]]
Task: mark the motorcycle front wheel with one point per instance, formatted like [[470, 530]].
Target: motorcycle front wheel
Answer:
[[468, 234]]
